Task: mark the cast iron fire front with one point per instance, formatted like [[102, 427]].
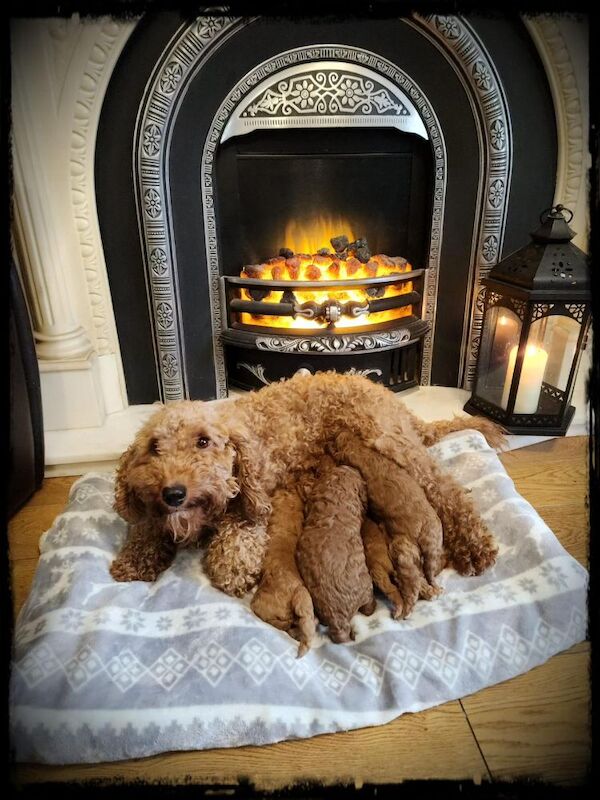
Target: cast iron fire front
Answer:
[[339, 309]]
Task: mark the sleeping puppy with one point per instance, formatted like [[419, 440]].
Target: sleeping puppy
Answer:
[[330, 552], [414, 529], [282, 599]]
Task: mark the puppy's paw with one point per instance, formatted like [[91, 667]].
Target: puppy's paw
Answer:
[[427, 591]]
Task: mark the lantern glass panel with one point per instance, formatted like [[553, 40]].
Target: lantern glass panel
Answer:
[[557, 336], [501, 333]]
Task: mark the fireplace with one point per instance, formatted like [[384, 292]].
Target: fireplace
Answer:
[[312, 214], [413, 134]]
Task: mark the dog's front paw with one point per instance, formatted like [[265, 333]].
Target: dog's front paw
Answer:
[[234, 556]]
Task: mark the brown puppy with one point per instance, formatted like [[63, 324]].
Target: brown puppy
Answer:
[[379, 563], [377, 542], [330, 552], [415, 530], [282, 599]]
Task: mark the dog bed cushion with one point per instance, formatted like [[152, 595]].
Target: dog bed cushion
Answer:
[[104, 671]]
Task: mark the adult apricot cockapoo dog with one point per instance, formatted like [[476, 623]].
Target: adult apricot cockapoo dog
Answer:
[[195, 466]]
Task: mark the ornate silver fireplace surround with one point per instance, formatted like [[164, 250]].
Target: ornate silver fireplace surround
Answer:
[[320, 86]]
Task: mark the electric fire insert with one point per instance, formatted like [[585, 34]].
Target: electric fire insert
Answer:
[[340, 308]]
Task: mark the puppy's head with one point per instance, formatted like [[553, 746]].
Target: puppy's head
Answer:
[[182, 469]]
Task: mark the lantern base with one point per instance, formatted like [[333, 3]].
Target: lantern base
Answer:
[[522, 424]]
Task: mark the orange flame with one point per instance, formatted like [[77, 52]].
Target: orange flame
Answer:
[[314, 235]]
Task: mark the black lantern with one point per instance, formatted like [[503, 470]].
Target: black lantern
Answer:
[[536, 315]]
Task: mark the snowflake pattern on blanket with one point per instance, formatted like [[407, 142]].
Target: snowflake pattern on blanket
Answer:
[[104, 671]]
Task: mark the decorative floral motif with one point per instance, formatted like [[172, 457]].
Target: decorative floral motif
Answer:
[[497, 134], [258, 370], [576, 310], [164, 315], [152, 203], [519, 306], [158, 261], [333, 344], [133, 620], [326, 92], [152, 137], [481, 76], [169, 365], [72, 619], [194, 618], [207, 27], [490, 248], [448, 27], [496, 193], [171, 77], [541, 310], [554, 574]]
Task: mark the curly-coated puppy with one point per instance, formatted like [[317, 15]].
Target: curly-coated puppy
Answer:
[[330, 552], [197, 465], [377, 542], [282, 599], [414, 529], [379, 563]]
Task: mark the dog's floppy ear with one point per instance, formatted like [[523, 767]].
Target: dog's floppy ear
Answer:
[[126, 504], [248, 473]]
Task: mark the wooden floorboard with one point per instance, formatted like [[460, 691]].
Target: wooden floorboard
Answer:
[[536, 725], [533, 725]]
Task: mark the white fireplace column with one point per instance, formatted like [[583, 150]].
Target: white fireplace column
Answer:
[[60, 70]]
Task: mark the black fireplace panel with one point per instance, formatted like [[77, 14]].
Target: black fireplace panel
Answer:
[[379, 181], [533, 170], [397, 369]]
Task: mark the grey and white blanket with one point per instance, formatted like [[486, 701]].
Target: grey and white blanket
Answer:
[[104, 671]]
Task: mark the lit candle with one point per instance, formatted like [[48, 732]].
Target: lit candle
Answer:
[[530, 382]]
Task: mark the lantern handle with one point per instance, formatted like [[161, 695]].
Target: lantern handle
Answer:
[[558, 208]]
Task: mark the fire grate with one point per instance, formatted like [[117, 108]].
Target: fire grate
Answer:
[[344, 310]]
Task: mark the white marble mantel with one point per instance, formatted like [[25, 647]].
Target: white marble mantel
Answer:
[[60, 72]]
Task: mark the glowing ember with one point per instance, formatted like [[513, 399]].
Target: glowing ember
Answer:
[[317, 260]]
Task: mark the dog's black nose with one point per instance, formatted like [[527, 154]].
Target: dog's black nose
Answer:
[[174, 495]]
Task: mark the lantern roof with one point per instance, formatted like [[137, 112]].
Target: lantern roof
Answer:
[[550, 264]]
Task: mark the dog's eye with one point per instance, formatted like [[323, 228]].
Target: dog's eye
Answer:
[[202, 442], [153, 447]]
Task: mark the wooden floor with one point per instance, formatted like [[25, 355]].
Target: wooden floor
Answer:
[[535, 725]]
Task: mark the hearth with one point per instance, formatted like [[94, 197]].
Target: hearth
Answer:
[[340, 308]]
